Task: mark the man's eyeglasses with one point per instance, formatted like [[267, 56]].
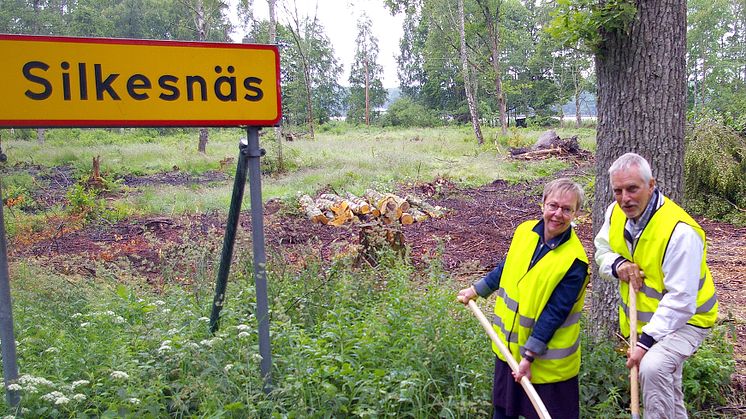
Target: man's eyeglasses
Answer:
[[552, 207]]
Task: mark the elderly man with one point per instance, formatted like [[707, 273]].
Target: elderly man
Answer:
[[652, 244]]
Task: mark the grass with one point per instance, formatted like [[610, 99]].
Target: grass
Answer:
[[351, 160]]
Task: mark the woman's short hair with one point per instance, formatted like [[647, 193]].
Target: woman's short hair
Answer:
[[629, 161], [563, 185]]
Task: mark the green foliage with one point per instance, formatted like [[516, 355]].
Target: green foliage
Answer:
[[604, 379], [714, 170], [84, 202], [707, 375], [407, 113], [346, 342], [543, 121], [576, 22]]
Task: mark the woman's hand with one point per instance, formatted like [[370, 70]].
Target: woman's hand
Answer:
[[466, 295], [524, 370]]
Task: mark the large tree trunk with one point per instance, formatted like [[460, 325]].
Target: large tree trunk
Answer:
[[641, 108], [467, 79]]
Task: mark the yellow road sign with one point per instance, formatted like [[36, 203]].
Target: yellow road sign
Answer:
[[100, 82]]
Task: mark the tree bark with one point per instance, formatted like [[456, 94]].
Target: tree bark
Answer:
[[467, 79], [203, 136], [641, 108]]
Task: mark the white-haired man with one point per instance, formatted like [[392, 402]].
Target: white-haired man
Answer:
[[652, 244]]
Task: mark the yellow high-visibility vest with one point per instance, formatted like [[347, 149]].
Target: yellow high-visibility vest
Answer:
[[648, 254], [524, 293]]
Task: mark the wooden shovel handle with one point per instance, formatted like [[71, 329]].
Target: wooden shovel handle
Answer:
[[634, 402], [525, 382]]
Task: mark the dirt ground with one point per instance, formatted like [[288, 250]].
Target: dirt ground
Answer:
[[471, 239]]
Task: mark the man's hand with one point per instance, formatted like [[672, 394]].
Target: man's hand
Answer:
[[634, 356], [524, 369], [466, 295], [630, 272]]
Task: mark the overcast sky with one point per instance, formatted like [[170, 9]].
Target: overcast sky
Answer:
[[339, 18]]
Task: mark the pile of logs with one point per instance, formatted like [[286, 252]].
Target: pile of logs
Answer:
[[550, 144], [388, 208]]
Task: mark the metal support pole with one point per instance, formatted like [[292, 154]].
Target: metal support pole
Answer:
[[260, 257], [239, 184], [248, 161], [7, 337]]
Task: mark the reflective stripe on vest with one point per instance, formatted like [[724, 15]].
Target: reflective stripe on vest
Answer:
[[648, 254], [524, 293]]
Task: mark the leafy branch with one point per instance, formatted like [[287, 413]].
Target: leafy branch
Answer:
[[583, 24]]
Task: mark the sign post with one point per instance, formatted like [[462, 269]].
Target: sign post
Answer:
[[48, 82]]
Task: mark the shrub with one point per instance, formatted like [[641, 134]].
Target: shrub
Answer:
[[407, 113], [715, 169], [604, 379]]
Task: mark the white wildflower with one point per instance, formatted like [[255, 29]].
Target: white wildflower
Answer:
[[134, 400], [228, 367], [163, 349], [51, 350], [76, 315], [118, 320], [257, 357], [109, 313], [80, 383], [62, 400], [243, 328], [30, 379], [119, 375], [192, 345], [31, 389], [15, 387], [9, 417], [166, 310], [159, 302], [79, 397], [52, 397], [243, 335], [85, 324]]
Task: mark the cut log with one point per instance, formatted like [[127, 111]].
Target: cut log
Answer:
[[406, 219], [358, 205], [311, 210], [418, 215], [538, 154], [330, 197], [432, 211], [373, 196]]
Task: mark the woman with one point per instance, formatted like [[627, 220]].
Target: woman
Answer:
[[540, 293]]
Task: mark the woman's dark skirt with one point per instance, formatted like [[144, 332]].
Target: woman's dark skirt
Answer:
[[561, 399]]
